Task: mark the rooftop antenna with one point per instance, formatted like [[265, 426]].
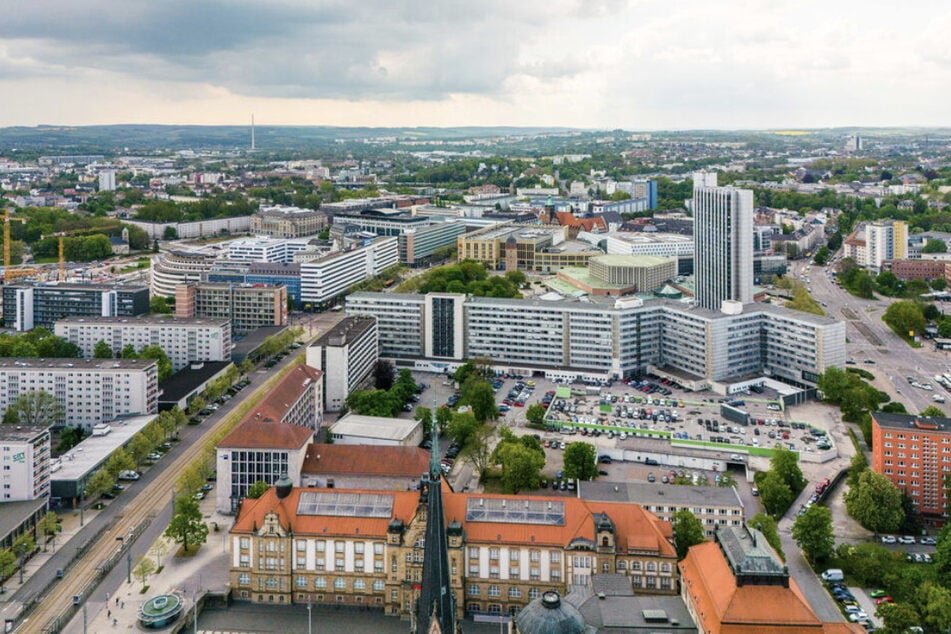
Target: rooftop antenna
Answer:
[[252, 131]]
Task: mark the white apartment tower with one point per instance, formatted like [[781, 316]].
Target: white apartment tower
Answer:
[[25, 456], [723, 245]]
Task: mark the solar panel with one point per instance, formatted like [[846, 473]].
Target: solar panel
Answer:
[[545, 512], [345, 504]]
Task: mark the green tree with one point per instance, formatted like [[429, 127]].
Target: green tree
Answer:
[[48, 526], [139, 447], [164, 364], [785, 464], [775, 493], [8, 565], [768, 526], [24, 546], [813, 532], [425, 416], [196, 404], [935, 245], [144, 568], [875, 503], [858, 464], [186, 526], [102, 351], [384, 374], [688, 531], [128, 352], [581, 461], [462, 426], [520, 466], [120, 460], [942, 556], [39, 407], [478, 394], [822, 256], [478, 450], [443, 417], [905, 318], [100, 482], [897, 618], [258, 489], [934, 605], [932, 411], [69, 437], [159, 305], [535, 414]]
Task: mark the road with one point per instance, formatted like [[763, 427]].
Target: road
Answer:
[[150, 500]]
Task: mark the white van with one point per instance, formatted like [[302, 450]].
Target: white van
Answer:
[[937, 398], [833, 574]]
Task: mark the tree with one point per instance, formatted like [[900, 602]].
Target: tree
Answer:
[[786, 465], [905, 318], [128, 352], [164, 364], [170, 233], [898, 618], [875, 503], [858, 464], [813, 532], [160, 548], [688, 531], [932, 411], [102, 351], [581, 461], [822, 256], [100, 482], [425, 416], [48, 526], [120, 460], [776, 494], [443, 416], [383, 375], [520, 466], [462, 426], [768, 526], [935, 607], [39, 407], [69, 437], [187, 526], [478, 394], [8, 564], [144, 568], [478, 450], [935, 245], [258, 489], [942, 556], [23, 547], [535, 414], [159, 305], [196, 404]]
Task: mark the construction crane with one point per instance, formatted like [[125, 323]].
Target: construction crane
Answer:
[[8, 274]]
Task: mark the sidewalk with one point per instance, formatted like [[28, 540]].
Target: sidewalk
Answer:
[[206, 571]]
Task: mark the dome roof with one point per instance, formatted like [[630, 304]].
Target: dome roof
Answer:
[[549, 615]]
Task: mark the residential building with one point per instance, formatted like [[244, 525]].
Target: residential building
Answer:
[[257, 451], [295, 399], [261, 249], [324, 279], [92, 391], [915, 454], [347, 355], [356, 429], [25, 456], [723, 245], [368, 547], [107, 180], [616, 338], [183, 340], [870, 244], [377, 467], [288, 222], [210, 227], [248, 306], [26, 306], [713, 506], [737, 584]]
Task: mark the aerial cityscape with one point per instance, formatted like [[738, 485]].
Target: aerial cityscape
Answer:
[[484, 334]]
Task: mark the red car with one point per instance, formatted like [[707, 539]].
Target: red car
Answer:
[[881, 600]]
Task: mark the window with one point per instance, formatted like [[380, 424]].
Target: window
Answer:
[[474, 590], [515, 572], [244, 561], [665, 567], [534, 593], [321, 547], [514, 555], [635, 565], [359, 584], [378, 585], [494, 591], [651, 566], [473, 553], [378, 549], [320, 582], [515, 593], [245, 543], [493, 553], [338, 547], [358, 548], [244, 579], [340, 584], [301, 582], [621, 564], [301, 545], [535, 556]]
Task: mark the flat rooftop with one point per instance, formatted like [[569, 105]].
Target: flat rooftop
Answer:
[[653, 493], [21, 433], [647, 238], [360, 426], [92, 451], [910, 422], [634, 260], [99, 365], [574, 246], [521, 232], [145, 321], [12, 514], [183, 382], [82, 287], [241, 348], [347, 330], [583, 276]]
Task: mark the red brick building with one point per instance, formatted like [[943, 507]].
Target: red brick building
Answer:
[[917, 269], [915, 454]]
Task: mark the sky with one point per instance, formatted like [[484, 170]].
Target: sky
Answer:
[[631, 64]]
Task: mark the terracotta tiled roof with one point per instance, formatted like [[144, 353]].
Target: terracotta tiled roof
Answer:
[[252, 434], [279, 400], [723, 608], [361, 460], [568, 219]]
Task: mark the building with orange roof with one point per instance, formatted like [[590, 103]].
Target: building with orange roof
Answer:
[[365, 547], [736, 584], [363, 466]]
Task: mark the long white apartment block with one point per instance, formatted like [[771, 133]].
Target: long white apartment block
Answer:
[[610, 338], [325, 278], [184, 340], [92, 391]]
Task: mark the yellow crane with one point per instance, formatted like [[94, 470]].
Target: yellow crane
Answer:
[[9, 274]]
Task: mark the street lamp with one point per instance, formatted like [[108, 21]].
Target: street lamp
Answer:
[[128, 558]]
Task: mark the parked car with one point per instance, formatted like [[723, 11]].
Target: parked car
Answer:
[[154, 455]]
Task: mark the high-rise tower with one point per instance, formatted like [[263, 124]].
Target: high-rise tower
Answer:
[[723, 245]]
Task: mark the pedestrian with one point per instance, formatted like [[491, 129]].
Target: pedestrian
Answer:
[[115, 622], [117, 600], [123, 605], [109, 614]]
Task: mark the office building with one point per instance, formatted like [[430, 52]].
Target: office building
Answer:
[[665, 245], [366, 548], [183, 340], [107, 181], [918, 269], [286, 274], [248, 306], [418, 236], [171, 268], [26, 306], [611, 338], [25, 455], [915, 454], [723, 245], [737, 584], [347, 354], [324, 279], [287, 222], [259, 249], [92, 391]]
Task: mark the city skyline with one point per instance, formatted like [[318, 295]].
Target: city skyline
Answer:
[[633, 65]]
